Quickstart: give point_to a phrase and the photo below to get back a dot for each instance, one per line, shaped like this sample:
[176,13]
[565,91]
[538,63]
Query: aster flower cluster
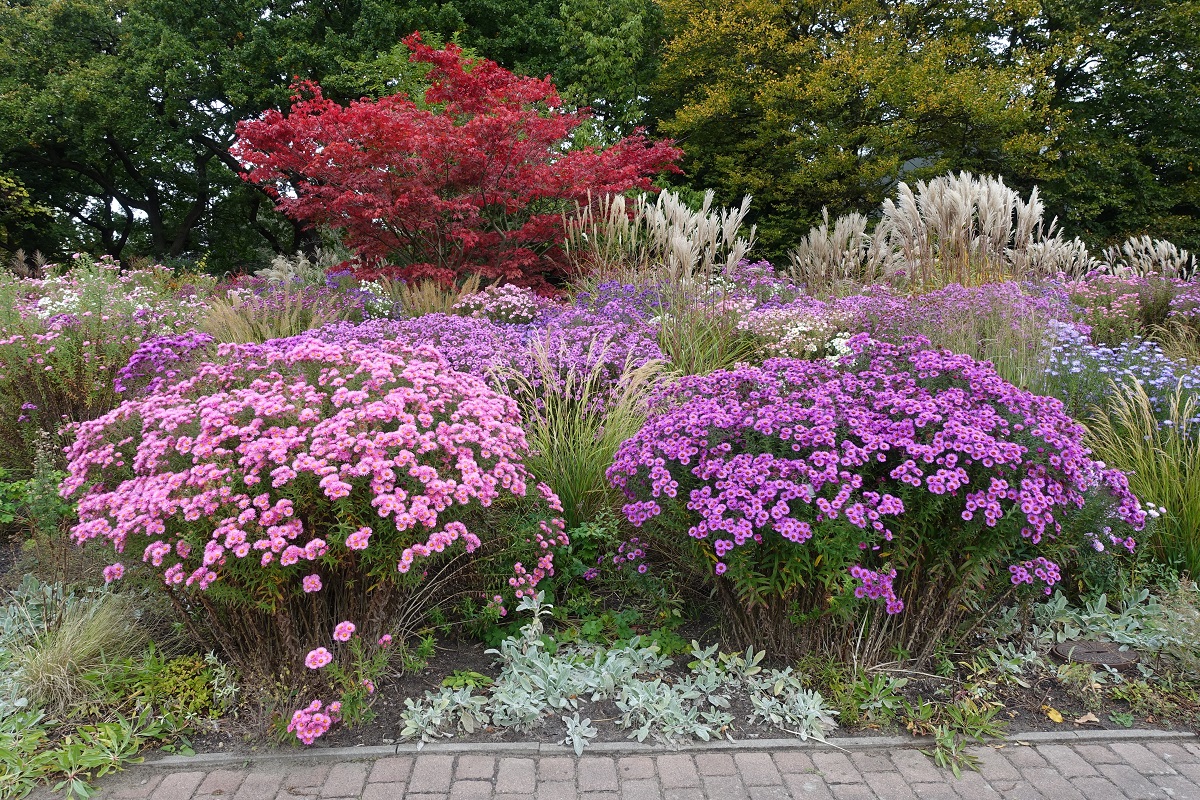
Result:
[502,303]
[1120,307]
[1039,569]
[800,449]
[630,554]
[60,367]
[1185,306]
[355,683]
[1078,372]
[311,723]
[160,359]
[319,463]
[877,586]
[807,329]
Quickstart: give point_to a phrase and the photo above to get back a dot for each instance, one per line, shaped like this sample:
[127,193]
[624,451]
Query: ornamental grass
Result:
[1161,455]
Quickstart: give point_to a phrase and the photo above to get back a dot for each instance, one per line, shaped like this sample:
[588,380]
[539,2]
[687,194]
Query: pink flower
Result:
[343,631]
[114,572]
[309,723]
[359,539]
[318,658]
[385,640]
[312,583]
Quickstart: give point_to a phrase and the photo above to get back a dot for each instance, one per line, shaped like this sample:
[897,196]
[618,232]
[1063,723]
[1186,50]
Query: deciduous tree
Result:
[475,178]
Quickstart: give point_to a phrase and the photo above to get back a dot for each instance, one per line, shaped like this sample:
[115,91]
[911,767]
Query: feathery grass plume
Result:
[836,261]
[1141,255]
[55,666]
[427,296]
[575,421]
[1161,460]
[284,310]
[970,230]
[953,229]
[660,241]
[300,269]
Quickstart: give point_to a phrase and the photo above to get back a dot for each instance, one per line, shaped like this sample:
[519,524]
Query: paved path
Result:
[1061,768]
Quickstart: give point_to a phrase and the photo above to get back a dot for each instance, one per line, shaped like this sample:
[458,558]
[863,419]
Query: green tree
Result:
[20,215]
[1125,82]
[119,114]
[828,102]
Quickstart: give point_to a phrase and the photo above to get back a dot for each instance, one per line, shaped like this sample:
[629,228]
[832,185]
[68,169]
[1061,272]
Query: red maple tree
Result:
[475,181]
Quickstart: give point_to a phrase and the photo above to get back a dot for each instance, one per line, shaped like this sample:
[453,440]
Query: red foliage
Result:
[474,182]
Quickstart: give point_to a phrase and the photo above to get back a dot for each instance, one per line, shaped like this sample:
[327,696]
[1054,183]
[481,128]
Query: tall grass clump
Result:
[663,241]
[702,336]
[1143,256]
[1162,460]
[274,312]
[418,298]
[57,645]
[575,419]
[839,259]
[962,229]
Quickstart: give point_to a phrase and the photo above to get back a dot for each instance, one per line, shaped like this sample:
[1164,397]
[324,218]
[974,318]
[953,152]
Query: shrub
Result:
[475,179]
[799,330]
[290,485]
[914,477]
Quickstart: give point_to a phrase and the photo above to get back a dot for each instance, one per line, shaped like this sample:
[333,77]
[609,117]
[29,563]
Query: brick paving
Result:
[1055,769]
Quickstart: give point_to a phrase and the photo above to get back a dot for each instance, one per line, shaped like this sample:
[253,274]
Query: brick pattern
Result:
[1095,770]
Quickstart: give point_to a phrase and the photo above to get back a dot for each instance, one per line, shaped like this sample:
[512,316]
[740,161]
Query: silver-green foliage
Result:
[535,684]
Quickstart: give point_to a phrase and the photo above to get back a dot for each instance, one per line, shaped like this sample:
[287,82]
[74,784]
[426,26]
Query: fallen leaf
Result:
[1053,713]
[1086,718]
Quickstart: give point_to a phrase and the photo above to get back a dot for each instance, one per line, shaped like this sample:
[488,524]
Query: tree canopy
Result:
[119,114]
[116,115]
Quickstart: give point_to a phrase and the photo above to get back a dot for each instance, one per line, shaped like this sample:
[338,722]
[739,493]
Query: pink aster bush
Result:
[895,488]
[1121,307]
[287,486]
[502,303]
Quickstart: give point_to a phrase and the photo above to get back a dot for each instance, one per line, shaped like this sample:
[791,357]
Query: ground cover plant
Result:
[677,492]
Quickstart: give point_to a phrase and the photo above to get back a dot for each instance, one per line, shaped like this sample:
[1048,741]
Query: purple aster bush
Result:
[160,360]
[897,488]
